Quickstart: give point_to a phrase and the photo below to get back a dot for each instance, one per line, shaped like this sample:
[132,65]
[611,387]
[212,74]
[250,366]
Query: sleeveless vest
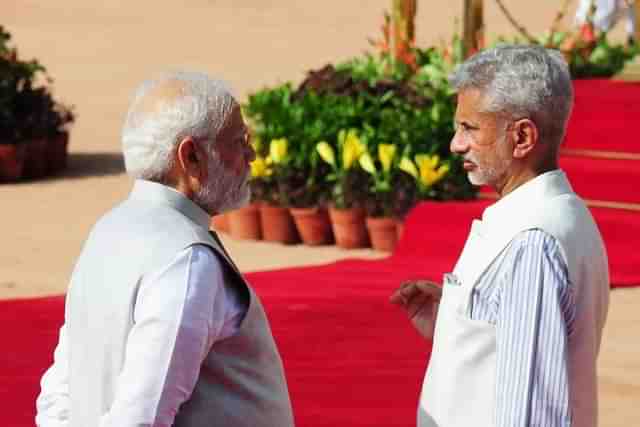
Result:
[241,381]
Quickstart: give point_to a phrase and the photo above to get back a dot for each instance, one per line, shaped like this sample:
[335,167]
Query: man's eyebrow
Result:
[466,124]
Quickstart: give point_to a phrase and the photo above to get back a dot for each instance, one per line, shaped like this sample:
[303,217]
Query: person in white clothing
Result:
[160,327]
[608,13]
[516,326]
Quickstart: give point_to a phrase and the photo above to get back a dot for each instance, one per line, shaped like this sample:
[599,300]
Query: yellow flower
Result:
[326,152]
[409,167]
[430,173]
[278,149]
[386,154]
[366,163]
[260,167]
[352,148]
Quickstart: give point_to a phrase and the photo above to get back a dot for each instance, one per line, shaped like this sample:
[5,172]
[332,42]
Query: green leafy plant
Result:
[345,180]
[380,97]
[587,51]
[383,170]
[27,107]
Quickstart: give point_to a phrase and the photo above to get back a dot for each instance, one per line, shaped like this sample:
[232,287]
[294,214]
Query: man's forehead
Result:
[471,101]
[161,94]
[471,94]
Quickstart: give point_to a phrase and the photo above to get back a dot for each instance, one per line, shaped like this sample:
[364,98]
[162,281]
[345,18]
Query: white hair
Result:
[522,81]
[163,112]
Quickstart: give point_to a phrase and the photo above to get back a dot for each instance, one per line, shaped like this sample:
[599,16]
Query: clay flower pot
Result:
[383,233]
[313,224]
[277,224]
[349,227]
[12,158]
[244,223]
[220,223]
[57,153]
[35,164]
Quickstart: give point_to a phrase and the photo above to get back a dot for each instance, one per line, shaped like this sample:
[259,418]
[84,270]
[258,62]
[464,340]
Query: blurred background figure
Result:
[608,13]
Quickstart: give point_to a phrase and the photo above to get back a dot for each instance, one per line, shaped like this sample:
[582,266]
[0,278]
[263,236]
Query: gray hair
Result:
[522,81]
[163,112]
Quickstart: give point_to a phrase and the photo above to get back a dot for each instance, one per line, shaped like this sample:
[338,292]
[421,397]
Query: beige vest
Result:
[459,387]
[241,382]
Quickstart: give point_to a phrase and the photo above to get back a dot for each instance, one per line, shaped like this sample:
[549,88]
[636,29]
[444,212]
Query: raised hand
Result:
[420,298]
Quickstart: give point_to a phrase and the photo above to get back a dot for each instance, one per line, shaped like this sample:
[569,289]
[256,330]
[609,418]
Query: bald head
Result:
[166,110]
[159,96]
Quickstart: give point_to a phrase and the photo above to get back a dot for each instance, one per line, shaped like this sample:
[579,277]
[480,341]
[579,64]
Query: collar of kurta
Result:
[511,213]
[158,193]
[523,198]
[516,212]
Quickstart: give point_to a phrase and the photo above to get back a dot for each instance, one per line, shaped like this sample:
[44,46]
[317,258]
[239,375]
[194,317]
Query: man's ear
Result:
[525,138]
[189,158]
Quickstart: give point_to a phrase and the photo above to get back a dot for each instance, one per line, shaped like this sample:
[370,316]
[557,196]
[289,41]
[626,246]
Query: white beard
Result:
[227,192]
[482,175]
[490,174]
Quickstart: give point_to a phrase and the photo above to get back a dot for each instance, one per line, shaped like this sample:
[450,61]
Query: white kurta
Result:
[189,305]
[121,322]
[459,387]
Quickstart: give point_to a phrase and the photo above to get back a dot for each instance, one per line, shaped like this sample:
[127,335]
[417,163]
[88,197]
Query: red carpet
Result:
[436,232]
[604,116]
[604,179]
[352,359]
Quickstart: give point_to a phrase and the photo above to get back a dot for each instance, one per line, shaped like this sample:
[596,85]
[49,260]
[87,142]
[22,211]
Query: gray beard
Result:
[490,175]
[223,193]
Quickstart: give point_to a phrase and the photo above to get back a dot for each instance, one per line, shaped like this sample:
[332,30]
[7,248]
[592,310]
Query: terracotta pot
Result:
[35,164]
[383,233]
[244,223]
[313,225]
[12,158]
[57,153]
[277,224]
[220,223]
[349,227]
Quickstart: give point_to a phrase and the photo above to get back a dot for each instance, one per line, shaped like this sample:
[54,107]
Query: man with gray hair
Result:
[160,327]
[516,326]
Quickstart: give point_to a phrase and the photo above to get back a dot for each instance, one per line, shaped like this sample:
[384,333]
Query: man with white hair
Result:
[160,327]
[516,326]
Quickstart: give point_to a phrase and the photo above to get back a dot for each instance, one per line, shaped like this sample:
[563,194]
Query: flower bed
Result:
[33,126]
[367,139]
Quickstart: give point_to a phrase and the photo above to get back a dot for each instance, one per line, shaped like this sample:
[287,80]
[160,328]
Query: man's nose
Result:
[458,144]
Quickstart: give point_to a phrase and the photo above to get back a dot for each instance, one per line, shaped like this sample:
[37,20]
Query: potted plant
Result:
[60,117]
[12,153]
[13,74]
[346,182]
[402,97]
[380,220]
[309,206]
[33,108]
[244,222]
[293,122]
[276,220]
[33,127]
[308,198]
[427,170]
